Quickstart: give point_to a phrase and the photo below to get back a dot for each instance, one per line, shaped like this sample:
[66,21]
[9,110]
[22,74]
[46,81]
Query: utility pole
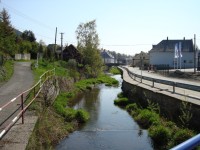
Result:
[194,53]
[61,45]
[55,44]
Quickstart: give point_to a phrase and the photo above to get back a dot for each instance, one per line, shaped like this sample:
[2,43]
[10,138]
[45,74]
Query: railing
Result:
[171,83]
[189,144]
[23,97]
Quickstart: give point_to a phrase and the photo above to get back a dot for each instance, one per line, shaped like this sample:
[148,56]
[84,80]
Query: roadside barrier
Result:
[171,83]
[23,97]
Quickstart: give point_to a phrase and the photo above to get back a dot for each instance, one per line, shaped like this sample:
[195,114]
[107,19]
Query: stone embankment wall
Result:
[170,104]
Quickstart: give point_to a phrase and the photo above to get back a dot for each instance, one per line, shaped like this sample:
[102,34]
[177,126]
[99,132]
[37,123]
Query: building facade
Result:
[164,54]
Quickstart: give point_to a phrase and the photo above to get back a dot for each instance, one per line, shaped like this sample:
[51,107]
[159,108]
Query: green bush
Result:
[114,70]
[120,95]
[146,118]
[182,135]
[160,134]
[122,101]
[82,116]
[132,107]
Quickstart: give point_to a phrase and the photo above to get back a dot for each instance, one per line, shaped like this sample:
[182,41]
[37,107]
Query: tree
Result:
[7,34]
[28,35]
[88,42]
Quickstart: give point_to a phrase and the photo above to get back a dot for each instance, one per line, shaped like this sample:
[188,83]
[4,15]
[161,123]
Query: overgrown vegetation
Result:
[164,134]
[114,70]
[62,118]
[6,71]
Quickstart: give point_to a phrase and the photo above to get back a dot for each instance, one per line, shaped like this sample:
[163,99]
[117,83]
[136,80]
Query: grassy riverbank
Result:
[164,133]
[59,119]
[6,71]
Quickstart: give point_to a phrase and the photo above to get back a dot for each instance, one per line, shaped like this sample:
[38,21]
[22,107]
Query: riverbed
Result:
[109,127]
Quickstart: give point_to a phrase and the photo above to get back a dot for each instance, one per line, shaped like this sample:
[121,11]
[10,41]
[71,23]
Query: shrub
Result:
[69,114]
[146,118]
[82,116]
[132,107]
[114,70]
[181,136]
[160,134]
[122,101]
[120,95]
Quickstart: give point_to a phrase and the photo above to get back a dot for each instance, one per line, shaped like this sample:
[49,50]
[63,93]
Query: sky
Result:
[124,26]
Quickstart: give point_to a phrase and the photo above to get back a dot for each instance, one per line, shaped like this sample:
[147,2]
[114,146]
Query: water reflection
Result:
[109,126]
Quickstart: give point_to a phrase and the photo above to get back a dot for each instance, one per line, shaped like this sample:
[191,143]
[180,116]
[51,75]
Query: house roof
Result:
[106,54]
[169,45]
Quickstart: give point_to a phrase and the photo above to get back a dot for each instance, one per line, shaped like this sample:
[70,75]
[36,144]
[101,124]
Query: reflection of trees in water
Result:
[89,101]
[140,132]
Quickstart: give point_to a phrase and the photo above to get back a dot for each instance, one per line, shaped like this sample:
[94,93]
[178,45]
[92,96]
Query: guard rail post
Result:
[22,107]
[153,83]
[174,85]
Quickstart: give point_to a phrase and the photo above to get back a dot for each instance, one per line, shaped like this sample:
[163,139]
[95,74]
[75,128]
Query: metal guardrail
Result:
[192,142]
[189,144]
[36,90]
[171,83]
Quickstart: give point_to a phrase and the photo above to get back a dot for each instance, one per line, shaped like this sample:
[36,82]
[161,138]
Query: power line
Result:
[125,45]
[27,17]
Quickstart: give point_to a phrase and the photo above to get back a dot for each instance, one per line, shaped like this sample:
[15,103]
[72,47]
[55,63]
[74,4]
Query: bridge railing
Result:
[171,83]
[30,94]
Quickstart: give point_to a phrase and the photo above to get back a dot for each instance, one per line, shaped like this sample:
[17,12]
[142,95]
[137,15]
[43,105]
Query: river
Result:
[109,127]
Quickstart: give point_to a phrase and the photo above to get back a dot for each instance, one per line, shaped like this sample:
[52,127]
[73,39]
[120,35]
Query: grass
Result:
[164,134]
[58,120]
[115,70]
[6,71]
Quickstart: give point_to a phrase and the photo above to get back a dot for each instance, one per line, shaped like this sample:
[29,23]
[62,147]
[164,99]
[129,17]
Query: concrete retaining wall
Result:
[169,103]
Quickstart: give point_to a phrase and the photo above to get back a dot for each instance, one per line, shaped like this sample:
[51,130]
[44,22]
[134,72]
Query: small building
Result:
[164,53]
[107,57]
[71,52]
[141,59]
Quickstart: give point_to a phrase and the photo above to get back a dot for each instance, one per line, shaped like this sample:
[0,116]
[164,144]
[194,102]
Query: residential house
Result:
[141,59]
[107,57]
[70,52]
[164,53]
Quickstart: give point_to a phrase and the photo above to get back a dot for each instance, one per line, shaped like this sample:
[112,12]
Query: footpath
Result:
[183,94]
[18,136]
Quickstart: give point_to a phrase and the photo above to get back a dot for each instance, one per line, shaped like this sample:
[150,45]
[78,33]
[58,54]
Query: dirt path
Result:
[22,79]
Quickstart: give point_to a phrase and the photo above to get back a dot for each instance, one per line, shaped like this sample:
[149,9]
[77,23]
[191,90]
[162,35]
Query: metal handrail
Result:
[189,144]
[172,83]
[23,109]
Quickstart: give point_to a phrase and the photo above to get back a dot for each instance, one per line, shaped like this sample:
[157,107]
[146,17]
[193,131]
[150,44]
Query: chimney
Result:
[167,38]
[184,38]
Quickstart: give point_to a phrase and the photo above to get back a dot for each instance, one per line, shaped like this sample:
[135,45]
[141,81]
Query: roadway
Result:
[22,79]
[184,94]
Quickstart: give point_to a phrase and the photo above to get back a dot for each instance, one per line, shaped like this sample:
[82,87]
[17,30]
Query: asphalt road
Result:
[188,95]
[21,80]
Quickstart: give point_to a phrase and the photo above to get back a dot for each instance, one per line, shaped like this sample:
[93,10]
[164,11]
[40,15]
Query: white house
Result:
[164,53]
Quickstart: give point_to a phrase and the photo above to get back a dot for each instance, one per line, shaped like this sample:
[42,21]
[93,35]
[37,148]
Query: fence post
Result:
[34,91]
[40,82]
[22,108]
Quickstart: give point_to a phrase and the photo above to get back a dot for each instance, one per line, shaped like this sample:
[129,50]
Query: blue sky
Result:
[124,26]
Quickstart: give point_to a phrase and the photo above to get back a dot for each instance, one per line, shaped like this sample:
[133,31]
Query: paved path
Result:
[18,136]
[180,93]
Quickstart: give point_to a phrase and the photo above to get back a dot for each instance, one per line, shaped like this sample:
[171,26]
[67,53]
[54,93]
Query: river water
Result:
[109,127]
